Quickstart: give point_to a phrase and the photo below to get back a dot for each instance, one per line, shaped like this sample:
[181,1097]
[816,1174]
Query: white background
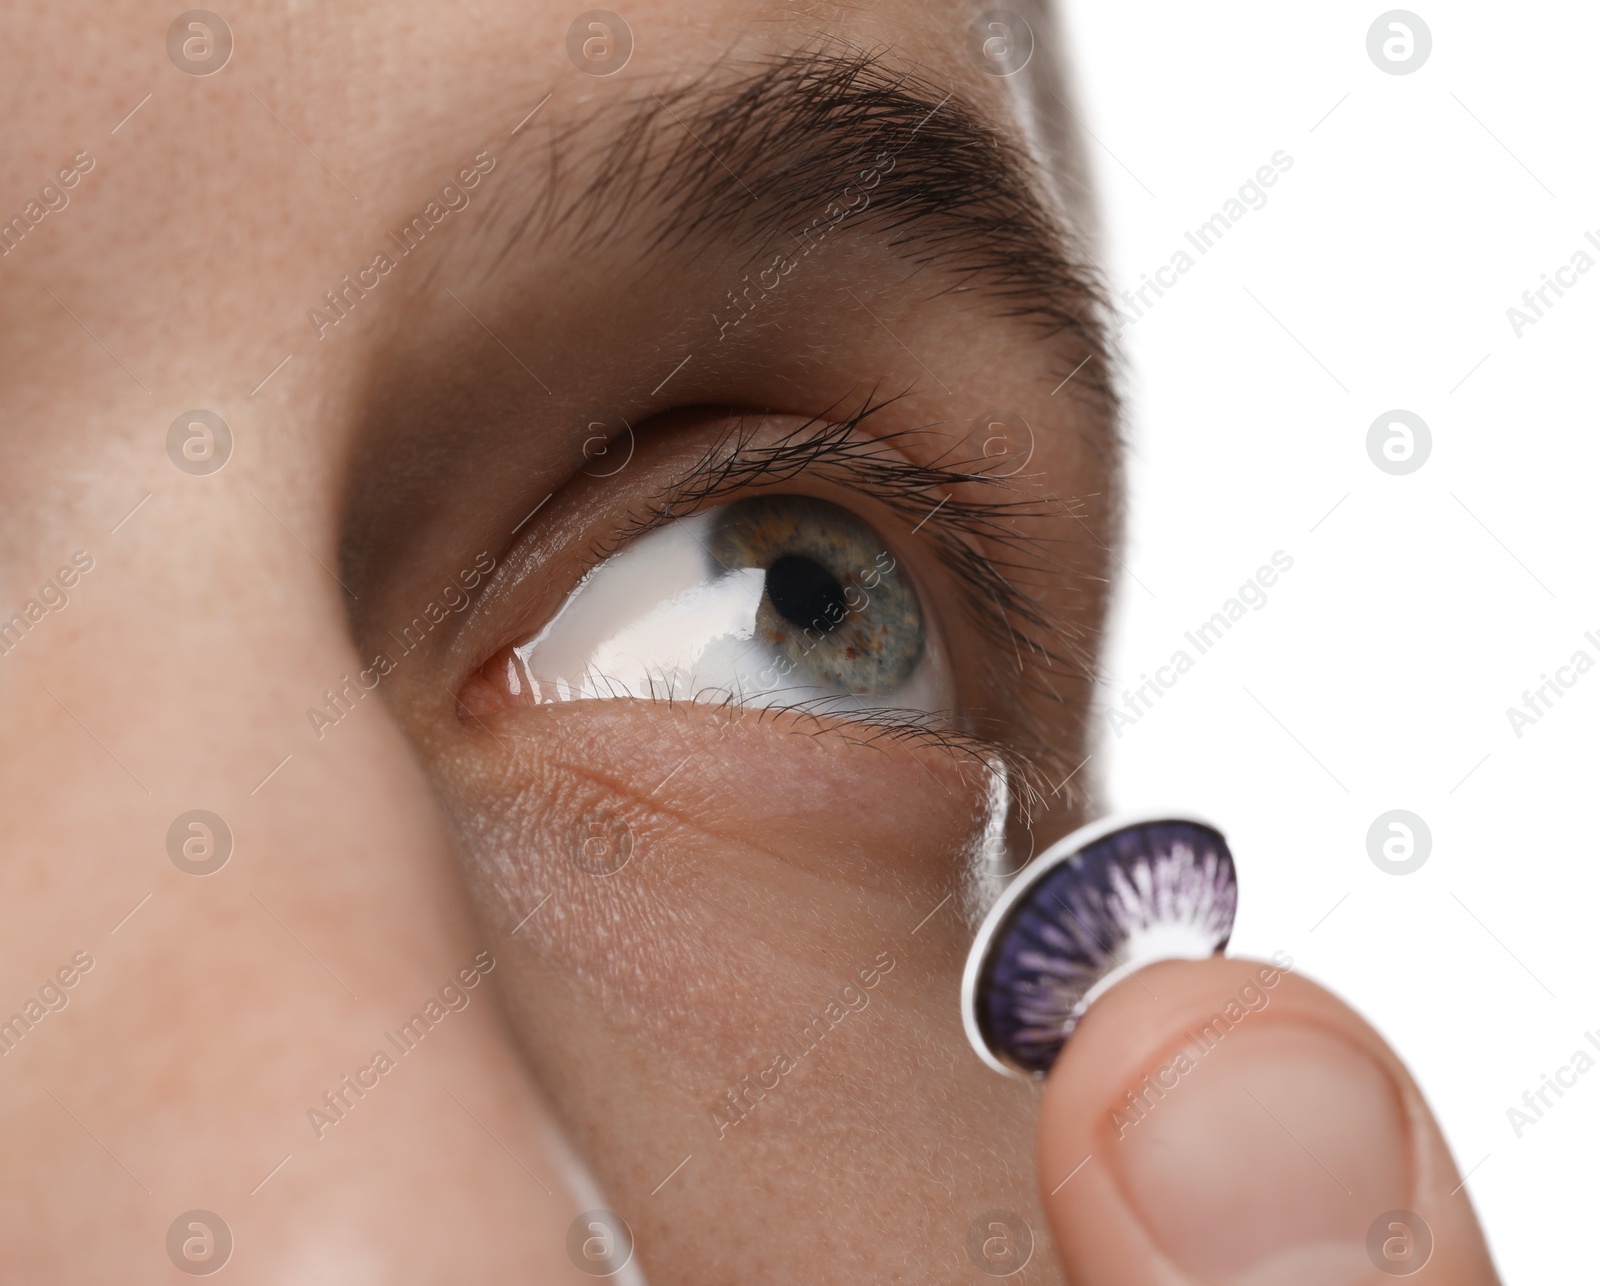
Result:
[1419,607]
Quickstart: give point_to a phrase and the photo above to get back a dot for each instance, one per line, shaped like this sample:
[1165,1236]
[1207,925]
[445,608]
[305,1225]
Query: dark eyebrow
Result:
[760,156]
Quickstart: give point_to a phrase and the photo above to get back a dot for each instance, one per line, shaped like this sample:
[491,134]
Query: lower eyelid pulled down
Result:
[772,600]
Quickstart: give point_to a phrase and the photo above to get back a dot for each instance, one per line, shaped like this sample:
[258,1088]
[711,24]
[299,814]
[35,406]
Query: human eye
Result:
[771,600]
[868,573]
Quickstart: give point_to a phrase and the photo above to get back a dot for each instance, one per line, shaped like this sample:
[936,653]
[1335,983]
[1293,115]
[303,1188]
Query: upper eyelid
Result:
[866,464]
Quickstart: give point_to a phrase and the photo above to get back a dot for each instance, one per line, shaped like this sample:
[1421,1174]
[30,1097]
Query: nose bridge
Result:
[261,897]
[172,631]
[240,988]
[212,669]
[194,614]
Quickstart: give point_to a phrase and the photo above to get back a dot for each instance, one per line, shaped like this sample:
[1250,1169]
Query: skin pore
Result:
[780,864]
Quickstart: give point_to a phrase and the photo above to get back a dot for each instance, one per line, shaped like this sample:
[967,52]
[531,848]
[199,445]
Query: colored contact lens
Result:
[1097,905]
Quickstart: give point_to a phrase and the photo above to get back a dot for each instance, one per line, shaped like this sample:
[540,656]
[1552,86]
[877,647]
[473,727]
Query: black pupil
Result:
[805,592]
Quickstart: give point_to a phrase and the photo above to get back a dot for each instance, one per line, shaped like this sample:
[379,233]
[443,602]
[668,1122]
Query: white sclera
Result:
[660,619]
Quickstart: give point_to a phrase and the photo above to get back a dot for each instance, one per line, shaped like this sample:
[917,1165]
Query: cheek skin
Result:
[775,863]
[695,866]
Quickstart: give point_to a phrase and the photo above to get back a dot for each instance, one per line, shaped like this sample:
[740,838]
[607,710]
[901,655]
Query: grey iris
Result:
[836,606]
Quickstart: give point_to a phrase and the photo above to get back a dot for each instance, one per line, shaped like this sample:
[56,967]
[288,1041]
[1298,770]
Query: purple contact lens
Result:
[1106,900]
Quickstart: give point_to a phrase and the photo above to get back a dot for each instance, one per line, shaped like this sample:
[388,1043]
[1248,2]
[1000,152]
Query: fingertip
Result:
[1228,1121]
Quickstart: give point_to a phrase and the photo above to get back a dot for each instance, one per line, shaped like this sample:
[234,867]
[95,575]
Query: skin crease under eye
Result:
[659,620]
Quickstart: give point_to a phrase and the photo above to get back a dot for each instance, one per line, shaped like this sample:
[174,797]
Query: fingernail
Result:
[1259,1155]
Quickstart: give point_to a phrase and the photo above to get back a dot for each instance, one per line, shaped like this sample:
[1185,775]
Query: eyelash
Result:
[1009,617]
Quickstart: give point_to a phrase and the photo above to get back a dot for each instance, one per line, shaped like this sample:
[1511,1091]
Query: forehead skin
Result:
[183,273]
